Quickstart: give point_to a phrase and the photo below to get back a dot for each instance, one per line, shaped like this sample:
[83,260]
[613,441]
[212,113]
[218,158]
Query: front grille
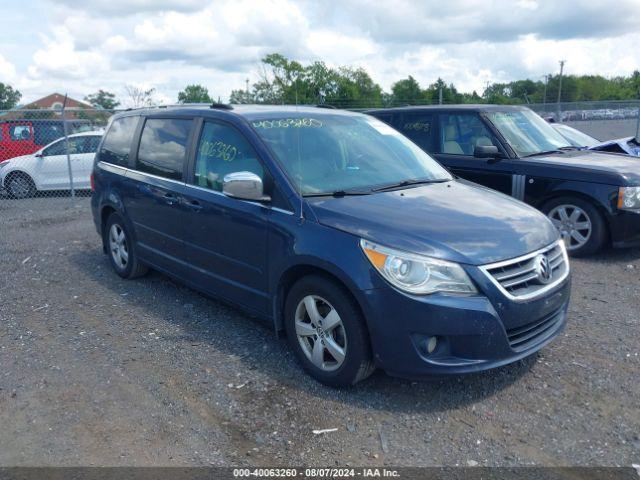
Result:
[525,336]
[521,279]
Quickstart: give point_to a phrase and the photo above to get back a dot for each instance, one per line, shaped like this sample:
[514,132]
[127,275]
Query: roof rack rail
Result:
[325,105]
[170,105]
[221,106]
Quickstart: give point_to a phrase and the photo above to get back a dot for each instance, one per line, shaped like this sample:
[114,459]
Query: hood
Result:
[454,221]
[600,167]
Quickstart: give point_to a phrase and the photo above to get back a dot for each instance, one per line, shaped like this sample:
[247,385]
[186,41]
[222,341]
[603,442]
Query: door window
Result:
[60,147]
[90,144]
[418,128]
[223,150]
[117,143]
[163,147]
[460,134]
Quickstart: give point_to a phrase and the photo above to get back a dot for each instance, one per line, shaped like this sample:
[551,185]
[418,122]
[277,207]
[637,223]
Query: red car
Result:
[23,137]
[16,138]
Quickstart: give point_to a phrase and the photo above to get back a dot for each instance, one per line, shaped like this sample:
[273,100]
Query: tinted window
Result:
[47,132]
[163,147]
[117,143]
[223,150]
[460,134]
[419,128]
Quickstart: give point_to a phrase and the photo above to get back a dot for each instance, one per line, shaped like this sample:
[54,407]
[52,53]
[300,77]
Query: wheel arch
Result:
[294,273]
[18,171]
[592,200]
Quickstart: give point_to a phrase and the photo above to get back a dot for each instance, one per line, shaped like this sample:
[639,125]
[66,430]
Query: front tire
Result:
[327,332]
[20,185]
[580,224]
[121,248]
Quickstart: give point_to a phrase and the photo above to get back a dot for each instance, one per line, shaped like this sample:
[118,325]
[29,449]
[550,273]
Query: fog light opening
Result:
[431,344]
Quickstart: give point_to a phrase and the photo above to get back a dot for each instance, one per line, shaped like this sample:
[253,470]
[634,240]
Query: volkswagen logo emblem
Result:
[542,268]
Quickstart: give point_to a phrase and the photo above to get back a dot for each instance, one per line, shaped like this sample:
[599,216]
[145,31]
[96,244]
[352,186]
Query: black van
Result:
[593,198]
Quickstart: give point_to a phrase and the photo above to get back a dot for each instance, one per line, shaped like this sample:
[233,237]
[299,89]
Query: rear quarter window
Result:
[116,147]
[419,128]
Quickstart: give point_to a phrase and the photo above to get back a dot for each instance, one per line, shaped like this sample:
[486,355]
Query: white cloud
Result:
[7,69]
[171,43]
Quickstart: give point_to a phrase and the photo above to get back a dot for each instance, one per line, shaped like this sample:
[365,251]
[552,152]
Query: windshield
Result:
[576,137]
[526,132]
[330,153]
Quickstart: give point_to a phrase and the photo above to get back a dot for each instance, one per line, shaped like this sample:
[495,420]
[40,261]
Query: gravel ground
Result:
[96,370]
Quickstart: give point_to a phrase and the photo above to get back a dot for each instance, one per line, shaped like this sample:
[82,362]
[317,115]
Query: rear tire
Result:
[19,185]
[331,342]
[581,225]
[121,248]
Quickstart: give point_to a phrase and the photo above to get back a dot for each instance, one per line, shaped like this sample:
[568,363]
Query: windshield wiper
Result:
[338,193]
[407,183]
[546,152]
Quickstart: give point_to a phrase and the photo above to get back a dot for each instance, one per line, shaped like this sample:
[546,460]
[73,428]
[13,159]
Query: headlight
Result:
[629,198]
[415,273]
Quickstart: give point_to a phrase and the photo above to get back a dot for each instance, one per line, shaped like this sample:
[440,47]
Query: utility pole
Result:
[440,95]
[246,90]
[544,98]
[559,119]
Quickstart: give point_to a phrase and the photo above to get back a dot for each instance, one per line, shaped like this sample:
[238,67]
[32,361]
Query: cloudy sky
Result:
[80,46]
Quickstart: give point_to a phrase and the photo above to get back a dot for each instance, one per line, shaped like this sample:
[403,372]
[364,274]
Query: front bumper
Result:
[625,229]
[472,335]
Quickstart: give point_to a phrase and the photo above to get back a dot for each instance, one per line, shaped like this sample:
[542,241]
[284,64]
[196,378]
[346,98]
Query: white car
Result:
[628,145]
[48,169]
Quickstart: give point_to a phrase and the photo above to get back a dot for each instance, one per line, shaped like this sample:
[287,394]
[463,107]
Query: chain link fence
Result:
[48,153]
[603,120]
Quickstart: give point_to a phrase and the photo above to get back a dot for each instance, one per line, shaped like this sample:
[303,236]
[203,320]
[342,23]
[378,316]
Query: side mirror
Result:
[486,151]
[39,155]
[244,186]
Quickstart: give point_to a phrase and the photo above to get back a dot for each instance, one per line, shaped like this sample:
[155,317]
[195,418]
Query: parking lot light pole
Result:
[559,119]
[66,145]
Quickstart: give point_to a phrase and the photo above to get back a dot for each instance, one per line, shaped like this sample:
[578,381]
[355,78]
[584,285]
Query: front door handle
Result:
[170,199]
[194,205]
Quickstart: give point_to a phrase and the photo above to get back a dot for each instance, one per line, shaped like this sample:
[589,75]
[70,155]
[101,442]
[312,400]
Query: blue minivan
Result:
[338,230]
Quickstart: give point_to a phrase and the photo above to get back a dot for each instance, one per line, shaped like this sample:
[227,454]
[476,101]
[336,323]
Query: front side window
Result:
[223,150]
[336,152]
[116,147]
[60,147]
[526,132]
[460,134]
[419,128]
[163,147]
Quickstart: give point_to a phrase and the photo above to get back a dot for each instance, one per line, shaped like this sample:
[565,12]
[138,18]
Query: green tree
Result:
[103,99]
[285,81]
[9,97]
[406,91]
[194,94]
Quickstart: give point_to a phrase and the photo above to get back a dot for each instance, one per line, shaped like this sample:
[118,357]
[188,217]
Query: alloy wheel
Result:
[574,225]
[321,333]
[118,246]
[19,187]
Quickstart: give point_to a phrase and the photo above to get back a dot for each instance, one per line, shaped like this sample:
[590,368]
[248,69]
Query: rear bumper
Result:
[471,335]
